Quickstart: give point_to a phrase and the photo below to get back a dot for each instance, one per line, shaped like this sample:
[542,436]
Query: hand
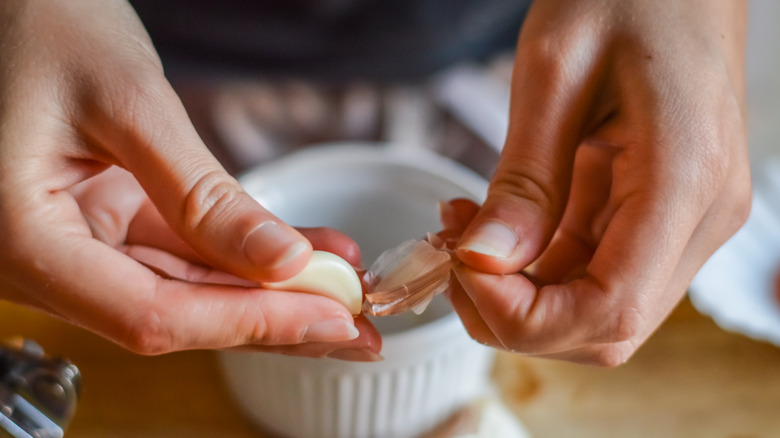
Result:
[82,90]
[625,167]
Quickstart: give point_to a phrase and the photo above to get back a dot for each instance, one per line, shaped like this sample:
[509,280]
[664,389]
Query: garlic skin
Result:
[407,277]
[328,275]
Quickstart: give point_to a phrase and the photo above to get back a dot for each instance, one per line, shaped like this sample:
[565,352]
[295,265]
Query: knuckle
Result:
[624,325]
[515,181]
[259,332]
[488,340]
[713,164]
[553,61]
[146,334]
[210,199]
[254,323]
[106,224]
[739,210]
[732,197]
[544,56]
[612,355]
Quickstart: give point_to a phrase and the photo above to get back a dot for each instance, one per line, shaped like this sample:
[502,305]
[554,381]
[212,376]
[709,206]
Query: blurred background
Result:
[707,372]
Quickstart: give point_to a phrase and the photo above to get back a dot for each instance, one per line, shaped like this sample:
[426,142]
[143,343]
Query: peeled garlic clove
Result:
[328,275]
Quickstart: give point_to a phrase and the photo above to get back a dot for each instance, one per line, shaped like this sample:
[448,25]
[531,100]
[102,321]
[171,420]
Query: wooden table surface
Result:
[691,379]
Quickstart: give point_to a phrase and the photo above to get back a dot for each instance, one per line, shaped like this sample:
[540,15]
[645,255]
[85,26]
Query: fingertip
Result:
[356,355]
[333,241]
[492,238]
[469,282]
[334,330]
[467,311]
[501,291]
[293,252]
[277,250]
[491,246]
[465,209]
[457,213]
[369,335]
[446,215]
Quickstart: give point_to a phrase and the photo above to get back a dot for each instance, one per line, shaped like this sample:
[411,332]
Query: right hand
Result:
[81,90]
[625,167]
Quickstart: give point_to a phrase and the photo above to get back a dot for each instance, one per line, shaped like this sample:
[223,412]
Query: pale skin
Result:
[627,142]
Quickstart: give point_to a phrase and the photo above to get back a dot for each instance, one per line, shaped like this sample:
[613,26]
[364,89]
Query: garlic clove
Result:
[328,275]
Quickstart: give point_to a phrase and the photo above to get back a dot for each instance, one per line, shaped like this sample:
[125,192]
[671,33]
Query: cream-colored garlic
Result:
[328,275]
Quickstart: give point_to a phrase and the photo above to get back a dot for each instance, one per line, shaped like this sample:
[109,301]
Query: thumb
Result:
[154,139]
[515,224]
[529,190]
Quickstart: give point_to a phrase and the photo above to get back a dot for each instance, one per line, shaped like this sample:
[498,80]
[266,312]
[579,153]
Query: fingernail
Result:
[292,252]
[270,234]
[330,331]
[356,355]
[493,239]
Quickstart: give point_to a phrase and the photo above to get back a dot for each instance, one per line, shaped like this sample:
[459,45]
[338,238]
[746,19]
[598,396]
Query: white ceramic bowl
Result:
[380,196]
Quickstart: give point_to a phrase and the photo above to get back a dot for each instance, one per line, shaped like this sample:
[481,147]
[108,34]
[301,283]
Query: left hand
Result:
[120,215]
[625,167]
[82,91]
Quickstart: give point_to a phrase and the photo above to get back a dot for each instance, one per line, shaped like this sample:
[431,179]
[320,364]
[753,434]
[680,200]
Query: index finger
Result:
[640,268]
[94,286]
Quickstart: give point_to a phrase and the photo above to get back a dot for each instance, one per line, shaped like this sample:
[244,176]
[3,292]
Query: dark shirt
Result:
[341,39]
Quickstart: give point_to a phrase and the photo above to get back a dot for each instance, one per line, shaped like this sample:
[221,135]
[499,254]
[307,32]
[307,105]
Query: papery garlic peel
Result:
[407,277]
[328,275]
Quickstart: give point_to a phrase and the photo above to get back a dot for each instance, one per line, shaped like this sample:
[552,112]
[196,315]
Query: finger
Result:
[470,317]
[366,348]
[584,225]
[143,124]
[149,230]
[119,212]
[585,219]
[601,355]
[552,319]
[132,219]
[172,267]
[551,91]
[496,310]
[635,263]
[456,214]
[95,286]
[333,241]
[644,261]
[109,201]
[153,315]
